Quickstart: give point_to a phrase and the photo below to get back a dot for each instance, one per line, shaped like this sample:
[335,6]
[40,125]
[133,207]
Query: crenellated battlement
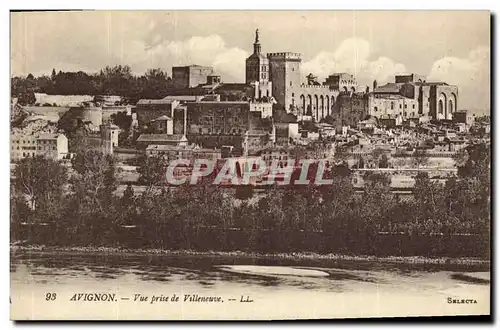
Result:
[318,87]
[285,56]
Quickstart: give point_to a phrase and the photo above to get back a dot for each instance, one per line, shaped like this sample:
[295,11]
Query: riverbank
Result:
[296,256]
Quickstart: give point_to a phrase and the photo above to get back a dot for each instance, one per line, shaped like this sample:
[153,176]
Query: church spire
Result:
[256,44]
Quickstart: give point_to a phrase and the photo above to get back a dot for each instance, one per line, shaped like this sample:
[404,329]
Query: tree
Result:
[429,210]
[244,192]
[40,180]
[152,170]
[361,162]
[122,120]
[328,119]
[95,176]
[377,199]
[384,161]
[420,157]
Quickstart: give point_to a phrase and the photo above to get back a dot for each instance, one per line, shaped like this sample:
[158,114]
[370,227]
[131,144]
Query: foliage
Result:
[420,157]
[324,218]
[116,80]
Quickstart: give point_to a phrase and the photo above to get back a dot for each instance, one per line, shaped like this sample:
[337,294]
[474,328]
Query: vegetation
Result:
[451,219]
[116,80]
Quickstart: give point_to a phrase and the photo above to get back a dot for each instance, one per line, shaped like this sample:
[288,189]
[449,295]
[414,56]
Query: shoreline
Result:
[297,256]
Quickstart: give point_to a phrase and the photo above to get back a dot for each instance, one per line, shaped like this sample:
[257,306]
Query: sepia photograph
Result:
[250,164]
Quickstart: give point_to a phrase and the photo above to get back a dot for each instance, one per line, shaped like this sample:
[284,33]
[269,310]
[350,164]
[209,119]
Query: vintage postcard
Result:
[249,165]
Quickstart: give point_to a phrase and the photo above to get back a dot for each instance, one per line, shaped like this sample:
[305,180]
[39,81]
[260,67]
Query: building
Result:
[388,101]
[109,137]
[279,75]
[285,132]
[22,145]
[144,140]
[282,156]
[254,140]
[257,71]
[163,125]
[443,100]
[80,116]
[410,96]
[42,99]
[462,116]
[108,100]
[342,81]
[349,109]
[225,117]
[190,76]
[53,146]
[151,109]
[190,153]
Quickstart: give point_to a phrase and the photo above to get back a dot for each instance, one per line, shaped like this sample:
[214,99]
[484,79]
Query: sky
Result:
[450,46]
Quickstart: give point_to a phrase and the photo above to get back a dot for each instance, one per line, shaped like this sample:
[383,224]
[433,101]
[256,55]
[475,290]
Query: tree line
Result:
[111,80]
[53,204]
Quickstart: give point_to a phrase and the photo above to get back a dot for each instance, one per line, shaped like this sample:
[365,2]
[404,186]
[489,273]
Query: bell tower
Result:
[257,65]
[256,44]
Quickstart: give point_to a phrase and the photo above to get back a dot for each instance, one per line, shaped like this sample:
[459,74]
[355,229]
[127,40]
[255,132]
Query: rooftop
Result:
[170,147]
[53,136]
[387,88]
[162,137]
[186,98]
[155,101]
[164,117]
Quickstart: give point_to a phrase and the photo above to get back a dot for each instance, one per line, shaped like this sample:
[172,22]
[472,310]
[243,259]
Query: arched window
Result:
[322,106]
[316,105]
[392,105]
[440,107]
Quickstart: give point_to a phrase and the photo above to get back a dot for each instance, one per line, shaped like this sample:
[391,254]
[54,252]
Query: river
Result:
[75,286]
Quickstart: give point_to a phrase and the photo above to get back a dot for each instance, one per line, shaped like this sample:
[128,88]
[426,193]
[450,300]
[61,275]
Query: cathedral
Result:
[279,75]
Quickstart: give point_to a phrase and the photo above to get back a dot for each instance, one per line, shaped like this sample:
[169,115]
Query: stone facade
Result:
[412,97]
[150,109]
[225,117]
[443,101]
[349,109]
[190,76]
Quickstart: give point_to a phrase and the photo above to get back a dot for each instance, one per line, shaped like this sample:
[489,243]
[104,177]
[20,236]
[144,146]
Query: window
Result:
[392,105]
[375,109]
[400,107]
[413,106]
[290,83]
[406,106]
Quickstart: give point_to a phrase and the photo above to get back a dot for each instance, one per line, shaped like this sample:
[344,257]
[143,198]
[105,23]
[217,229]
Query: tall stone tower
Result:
[257,71]
[285,76]
[257,65]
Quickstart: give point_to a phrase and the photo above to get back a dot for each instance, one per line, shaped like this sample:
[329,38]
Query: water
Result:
[248,288]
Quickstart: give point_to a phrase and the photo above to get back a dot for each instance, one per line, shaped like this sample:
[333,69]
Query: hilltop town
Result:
[279,113]
[405,164]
